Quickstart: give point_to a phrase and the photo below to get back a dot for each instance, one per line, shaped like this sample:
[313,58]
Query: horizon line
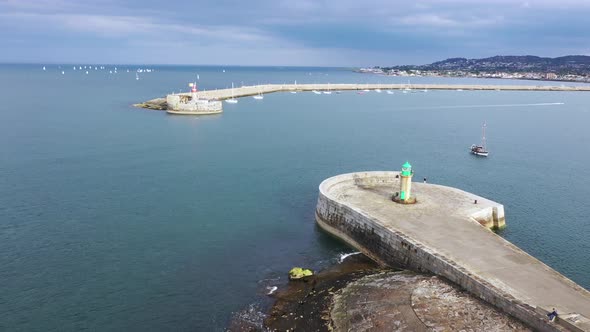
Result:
[167,64]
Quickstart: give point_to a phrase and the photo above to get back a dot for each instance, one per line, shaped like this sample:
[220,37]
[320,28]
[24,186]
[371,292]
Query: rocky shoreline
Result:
[358,295]
[158,104]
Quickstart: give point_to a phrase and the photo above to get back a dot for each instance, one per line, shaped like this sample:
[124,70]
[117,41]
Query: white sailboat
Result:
[232,100]
[295,88]
[328,92]
[481,150]
[389,92]
[136,76]
[408,88]
[259,96]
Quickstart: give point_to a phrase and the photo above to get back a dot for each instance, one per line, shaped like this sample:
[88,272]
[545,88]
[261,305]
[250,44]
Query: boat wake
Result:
[344,256]
[493,105]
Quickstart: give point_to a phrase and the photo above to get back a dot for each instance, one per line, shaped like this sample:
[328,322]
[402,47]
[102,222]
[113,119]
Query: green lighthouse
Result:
[406,184]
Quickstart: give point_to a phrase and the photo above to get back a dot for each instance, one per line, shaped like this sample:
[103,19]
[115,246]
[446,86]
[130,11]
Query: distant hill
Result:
[570,64]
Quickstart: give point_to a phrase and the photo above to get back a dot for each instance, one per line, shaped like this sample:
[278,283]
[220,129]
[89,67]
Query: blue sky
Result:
[293,32]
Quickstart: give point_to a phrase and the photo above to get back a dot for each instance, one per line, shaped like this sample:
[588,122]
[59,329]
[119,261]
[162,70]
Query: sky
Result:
[288,32]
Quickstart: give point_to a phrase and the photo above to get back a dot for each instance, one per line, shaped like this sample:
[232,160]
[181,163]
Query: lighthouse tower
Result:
[405,193]
[193,87]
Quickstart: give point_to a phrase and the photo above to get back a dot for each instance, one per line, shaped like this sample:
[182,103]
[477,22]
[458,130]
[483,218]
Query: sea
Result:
[115,218]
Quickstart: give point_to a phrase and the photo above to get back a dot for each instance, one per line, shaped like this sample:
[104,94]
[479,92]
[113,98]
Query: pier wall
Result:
[390,247]
[174,102]
[187,104]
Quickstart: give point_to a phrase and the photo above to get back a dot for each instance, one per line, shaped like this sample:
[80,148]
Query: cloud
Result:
[134,26]
[428,20]
[344,30]
[440,21]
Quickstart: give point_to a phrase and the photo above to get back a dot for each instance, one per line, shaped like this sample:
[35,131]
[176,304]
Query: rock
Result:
[154,104]
[297,273]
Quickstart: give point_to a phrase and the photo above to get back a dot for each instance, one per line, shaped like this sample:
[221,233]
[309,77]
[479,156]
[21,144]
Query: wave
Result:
[344,256]
[271,289]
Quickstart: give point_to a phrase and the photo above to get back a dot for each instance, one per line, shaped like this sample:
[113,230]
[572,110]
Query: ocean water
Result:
[115,218]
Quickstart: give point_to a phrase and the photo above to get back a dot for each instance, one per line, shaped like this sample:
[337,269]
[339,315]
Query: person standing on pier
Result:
[552,315]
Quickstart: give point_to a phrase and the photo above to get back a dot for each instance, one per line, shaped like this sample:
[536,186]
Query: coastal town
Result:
[461,73]
[567,68]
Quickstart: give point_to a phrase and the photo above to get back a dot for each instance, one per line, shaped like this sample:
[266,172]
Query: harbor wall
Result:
[189,104]
[393,248]
[245,91]
[176,102]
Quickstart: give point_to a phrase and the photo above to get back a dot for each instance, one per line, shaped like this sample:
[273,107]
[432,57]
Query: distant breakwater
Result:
[245,91]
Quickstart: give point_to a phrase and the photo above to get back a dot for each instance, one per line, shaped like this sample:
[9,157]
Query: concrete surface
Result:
[404,301]
[439,235]
[245,91]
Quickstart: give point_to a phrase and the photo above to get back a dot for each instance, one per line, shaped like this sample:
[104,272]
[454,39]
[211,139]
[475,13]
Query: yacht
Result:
[481,150]
[232,100]
[259,96]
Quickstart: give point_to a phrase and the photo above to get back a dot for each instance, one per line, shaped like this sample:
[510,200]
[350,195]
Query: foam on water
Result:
[271,289]
[251,317]
[493,105]
[344,256]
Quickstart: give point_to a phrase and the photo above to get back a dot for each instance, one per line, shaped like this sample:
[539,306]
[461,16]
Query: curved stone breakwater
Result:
[182,102]
[440,234]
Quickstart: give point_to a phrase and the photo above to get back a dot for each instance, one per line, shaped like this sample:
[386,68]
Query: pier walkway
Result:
[245,91]
[439,234]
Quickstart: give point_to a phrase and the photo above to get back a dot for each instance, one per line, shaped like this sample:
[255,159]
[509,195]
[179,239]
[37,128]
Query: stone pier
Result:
[447,233]
[176,103]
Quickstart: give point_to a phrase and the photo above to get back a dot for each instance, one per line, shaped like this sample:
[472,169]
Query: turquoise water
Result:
[116,218]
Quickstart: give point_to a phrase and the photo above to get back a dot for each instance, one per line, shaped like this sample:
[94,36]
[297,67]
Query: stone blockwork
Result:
[191,104]
[405,301]
[389,236]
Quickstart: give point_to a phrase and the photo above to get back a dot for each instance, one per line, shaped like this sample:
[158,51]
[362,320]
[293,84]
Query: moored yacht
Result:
[481,150]
[232,100]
